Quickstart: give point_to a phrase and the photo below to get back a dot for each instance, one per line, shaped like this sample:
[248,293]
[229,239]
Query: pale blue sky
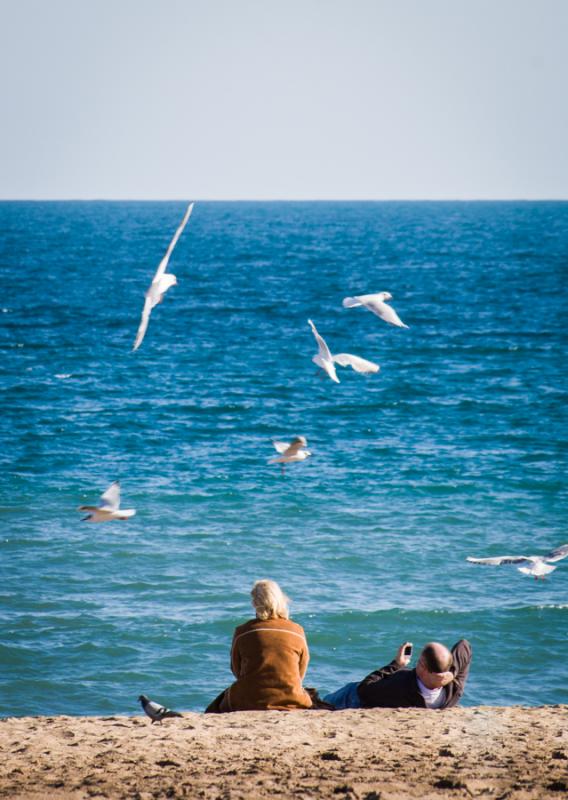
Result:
[355,99]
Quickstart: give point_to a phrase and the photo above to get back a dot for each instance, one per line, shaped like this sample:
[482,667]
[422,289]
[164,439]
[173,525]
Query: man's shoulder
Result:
[399,689]
[403,675]
[403,680]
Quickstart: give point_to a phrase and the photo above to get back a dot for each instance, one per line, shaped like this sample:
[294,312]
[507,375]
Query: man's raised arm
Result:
[370,690]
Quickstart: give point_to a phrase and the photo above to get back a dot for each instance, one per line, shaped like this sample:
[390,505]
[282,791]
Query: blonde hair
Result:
[269,600]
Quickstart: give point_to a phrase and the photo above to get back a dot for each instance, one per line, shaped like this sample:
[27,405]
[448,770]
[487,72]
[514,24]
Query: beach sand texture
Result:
[514,753]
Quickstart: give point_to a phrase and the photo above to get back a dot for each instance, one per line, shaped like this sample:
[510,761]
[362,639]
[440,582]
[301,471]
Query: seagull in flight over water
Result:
[327,362]
[161,282]
[290,452]
[528,565]
[109,508]
[377,304]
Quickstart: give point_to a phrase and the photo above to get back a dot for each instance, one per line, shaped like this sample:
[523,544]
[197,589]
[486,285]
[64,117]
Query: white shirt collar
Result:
[431,697]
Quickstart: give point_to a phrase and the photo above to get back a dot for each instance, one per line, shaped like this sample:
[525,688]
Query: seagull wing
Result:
[351,302]
[294,447]
[357,363]
[324,350]
[557,554]
[144,320]
[110,500]
[498,560]
[382,309]
[281,446]
[164,262]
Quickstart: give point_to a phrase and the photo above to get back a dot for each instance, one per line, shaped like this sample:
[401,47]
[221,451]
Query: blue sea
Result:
[457,447]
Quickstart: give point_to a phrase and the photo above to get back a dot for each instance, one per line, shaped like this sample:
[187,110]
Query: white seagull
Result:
[109,507]
[291,452]
[161,282]
[376,303]
[327,362]
[529,565]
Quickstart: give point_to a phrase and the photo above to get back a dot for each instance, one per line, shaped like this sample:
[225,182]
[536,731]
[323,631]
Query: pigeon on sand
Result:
[161,282]
[377,304]
[528,565]
[291,452]
[155,711]
[327,362]
[109,507]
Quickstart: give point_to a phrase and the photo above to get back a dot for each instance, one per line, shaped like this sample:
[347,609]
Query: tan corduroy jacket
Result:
[269,659]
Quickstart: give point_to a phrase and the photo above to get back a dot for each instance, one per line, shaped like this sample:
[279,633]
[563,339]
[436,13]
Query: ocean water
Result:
[457,447]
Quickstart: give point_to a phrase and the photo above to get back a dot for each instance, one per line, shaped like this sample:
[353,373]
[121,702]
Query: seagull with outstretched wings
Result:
[378,305]
[327,361]
[537,566]
[161,282]
[290,452]
[109,507]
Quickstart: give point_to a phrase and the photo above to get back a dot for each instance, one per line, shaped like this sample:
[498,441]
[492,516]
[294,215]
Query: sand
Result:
[482,752]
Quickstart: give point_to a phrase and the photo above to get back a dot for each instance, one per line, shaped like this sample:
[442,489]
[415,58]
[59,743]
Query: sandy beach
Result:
[491,752]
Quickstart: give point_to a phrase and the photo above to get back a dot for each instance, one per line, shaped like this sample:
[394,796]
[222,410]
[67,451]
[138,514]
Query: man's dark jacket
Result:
[396,687]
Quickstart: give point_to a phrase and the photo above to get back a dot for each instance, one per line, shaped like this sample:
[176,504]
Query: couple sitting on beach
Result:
[269,658]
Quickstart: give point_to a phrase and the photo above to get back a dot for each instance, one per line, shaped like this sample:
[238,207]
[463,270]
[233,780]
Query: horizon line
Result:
[285,200]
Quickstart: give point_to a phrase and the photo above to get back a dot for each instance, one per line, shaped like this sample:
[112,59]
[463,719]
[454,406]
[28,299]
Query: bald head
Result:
[436,657]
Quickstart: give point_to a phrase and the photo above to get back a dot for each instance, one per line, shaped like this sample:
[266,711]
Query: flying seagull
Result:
[161,282]
[109,507]
[327,362]
[155,711]
[529,565]
[290,452]
[377,304]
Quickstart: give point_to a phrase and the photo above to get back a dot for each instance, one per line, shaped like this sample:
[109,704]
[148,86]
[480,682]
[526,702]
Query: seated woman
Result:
[269,658]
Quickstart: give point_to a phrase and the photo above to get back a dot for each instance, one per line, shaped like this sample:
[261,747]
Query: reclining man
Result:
[438,681]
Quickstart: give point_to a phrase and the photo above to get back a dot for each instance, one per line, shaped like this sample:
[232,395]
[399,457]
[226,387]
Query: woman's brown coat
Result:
[269,659]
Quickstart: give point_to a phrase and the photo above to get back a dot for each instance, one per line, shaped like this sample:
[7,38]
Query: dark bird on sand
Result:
[155,711]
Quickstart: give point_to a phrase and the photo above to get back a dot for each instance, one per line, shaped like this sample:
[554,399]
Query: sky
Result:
[283,99]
